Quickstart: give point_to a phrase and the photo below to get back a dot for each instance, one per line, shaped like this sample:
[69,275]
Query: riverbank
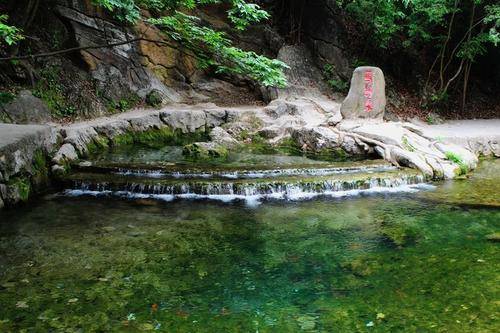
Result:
[30,154]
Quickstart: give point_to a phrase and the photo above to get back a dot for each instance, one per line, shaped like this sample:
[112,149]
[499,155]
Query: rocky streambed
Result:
[131,262]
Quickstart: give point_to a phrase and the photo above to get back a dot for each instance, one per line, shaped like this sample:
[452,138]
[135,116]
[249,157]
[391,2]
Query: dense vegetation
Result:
[211,47]
[443,47]
[446,36]
[439,55]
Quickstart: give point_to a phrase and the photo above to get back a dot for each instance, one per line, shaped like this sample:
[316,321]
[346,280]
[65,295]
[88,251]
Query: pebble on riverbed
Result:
[494,237]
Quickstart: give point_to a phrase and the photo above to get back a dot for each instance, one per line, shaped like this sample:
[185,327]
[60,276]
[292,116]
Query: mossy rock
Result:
[205,151]
[400,233]
[18,189]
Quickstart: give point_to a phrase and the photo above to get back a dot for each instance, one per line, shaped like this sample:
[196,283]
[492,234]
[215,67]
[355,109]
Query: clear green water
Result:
[169,155]
[398,263]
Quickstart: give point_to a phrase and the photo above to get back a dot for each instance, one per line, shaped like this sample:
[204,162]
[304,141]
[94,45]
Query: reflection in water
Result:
[385,263]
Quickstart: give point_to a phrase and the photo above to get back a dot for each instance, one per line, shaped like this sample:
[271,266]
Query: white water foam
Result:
[253,200]
[254,173]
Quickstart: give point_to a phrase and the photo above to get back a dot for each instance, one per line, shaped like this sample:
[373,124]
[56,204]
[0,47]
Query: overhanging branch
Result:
[92,47]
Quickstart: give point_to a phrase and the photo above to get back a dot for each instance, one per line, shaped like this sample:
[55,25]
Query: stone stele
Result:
[366,98]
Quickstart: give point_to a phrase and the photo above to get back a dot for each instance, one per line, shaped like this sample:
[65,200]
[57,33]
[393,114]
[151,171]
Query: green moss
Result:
[197,152]
[154,98]
[155,137]
[329,154]
[400,232]
[98,144]
[463,168]
[288,146]
[39,168]
[152,138]
[257,144]
[39,162]
[22,185]
[51,91]
[122,139]
[123,104]
[165,136]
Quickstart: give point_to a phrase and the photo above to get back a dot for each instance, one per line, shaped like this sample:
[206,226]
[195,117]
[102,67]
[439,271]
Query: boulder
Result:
[215,117]
[366,98]
[111,129]
[316,138]
[80,136]
[145,122]
[220,136]
[335,119]
[20,144]
[27,109]
[205,151]
[188,121]
[66,153]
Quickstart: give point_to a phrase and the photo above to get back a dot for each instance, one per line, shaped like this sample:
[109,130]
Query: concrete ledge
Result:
[23,159]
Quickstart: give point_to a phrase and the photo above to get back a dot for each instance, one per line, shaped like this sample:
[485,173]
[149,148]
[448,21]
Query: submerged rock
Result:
[494,237]
[205,151]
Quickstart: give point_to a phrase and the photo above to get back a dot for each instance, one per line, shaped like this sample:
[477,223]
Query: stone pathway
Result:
[482,136]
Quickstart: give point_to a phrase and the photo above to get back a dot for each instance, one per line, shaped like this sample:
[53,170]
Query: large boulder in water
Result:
[366,98]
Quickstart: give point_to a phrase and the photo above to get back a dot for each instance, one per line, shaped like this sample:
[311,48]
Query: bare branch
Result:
[91,47]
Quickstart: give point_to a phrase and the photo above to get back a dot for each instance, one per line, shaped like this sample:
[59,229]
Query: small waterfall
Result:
[292,184]
[249,174]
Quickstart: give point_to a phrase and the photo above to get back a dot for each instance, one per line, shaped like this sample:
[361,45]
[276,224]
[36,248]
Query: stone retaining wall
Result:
[30,153]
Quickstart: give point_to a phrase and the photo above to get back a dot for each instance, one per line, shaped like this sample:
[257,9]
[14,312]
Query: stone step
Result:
[180,171]
[248,189]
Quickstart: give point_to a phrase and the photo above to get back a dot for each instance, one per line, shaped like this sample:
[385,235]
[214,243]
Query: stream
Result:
[143,240]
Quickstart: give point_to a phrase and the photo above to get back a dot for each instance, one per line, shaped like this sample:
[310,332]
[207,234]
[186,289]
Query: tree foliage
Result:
[8,34]
[212,48]
[455,32]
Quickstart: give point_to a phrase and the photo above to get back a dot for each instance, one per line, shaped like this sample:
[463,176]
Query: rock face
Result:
[366,98]
[325,40]
[151,68]
[304,78]
[118,70]
[26,109]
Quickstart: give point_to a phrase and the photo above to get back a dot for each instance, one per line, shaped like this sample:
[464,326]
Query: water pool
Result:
[407,262]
